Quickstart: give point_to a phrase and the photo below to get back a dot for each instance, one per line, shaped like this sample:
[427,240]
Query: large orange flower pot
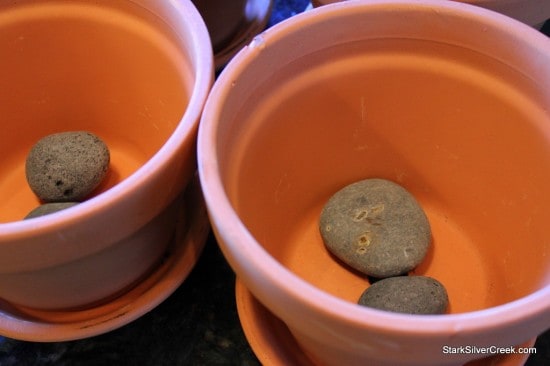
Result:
[447,99]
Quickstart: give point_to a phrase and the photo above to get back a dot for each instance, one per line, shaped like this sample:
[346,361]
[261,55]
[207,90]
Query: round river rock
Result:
[407,294]
[67,166]
[376,227]
[48,208]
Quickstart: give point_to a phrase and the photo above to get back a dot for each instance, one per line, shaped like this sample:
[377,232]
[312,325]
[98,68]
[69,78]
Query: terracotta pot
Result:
[232,24]
[532,12]
[447,99]
[317,3]
[135,73]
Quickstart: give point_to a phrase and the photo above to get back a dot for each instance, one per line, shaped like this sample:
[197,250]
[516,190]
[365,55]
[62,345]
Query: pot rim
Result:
[257,268]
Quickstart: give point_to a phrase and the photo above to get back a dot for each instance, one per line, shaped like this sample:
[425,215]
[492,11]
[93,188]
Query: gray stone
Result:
[67,166]
[407,294]
[48,208]
[376,227]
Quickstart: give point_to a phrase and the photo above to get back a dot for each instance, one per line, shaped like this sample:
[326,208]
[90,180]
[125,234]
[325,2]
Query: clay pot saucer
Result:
[55,326]
[274,345]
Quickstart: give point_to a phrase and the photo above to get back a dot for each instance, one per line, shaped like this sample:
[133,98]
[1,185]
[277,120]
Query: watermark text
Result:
[490,350]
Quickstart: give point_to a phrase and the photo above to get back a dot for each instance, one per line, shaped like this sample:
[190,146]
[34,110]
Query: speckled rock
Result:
[407,294]
[376,227]
[67,166]
[48,208]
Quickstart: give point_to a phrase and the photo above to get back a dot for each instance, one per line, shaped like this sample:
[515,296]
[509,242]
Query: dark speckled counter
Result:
[197,325]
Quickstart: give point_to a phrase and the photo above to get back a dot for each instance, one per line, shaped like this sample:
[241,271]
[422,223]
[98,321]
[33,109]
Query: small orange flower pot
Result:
[135,73]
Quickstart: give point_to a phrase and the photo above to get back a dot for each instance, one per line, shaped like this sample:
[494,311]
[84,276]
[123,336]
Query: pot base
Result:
[56,326]
[273,343]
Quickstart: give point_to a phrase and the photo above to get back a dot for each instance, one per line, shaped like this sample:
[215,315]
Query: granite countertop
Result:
[197,325]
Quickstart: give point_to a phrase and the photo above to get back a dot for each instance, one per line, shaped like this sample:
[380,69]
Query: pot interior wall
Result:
[109,68]
[464,133]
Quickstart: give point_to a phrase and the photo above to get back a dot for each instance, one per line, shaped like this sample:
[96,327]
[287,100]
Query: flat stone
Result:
[67,166]
[48,208]
[376,227]
[407,294]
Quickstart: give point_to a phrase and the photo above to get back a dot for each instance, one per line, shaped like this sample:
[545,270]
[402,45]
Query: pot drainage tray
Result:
[274,345]
[55,326]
